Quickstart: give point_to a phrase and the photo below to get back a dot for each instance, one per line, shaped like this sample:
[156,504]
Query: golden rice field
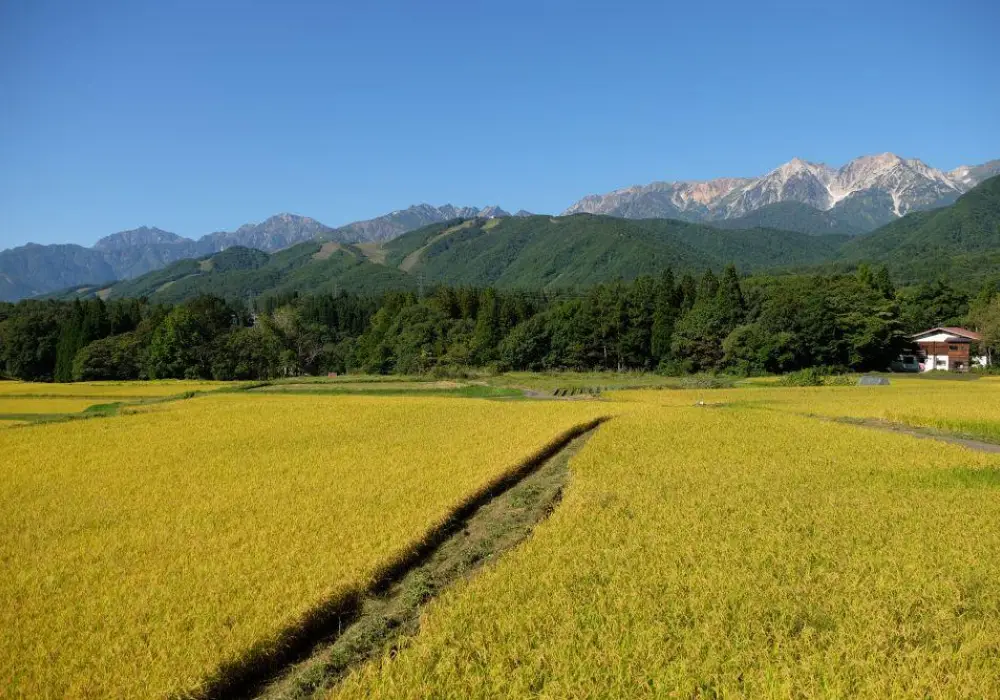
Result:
[143,551]
[731,552]
[163,387]
[970,407]
[20,406]
[710,543]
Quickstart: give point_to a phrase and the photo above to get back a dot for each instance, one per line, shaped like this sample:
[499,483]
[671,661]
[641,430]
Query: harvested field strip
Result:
[167,552]
[28,406]
[487,525]
[361,386]
[109,389]
[731,553]
[396,389]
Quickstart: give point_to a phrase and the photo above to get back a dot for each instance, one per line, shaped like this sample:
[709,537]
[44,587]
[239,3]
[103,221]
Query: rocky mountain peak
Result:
[873,188]
[492,212]
[142,236]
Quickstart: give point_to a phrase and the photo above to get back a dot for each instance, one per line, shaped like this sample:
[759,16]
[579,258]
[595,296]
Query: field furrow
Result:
[156,553]
[732,552]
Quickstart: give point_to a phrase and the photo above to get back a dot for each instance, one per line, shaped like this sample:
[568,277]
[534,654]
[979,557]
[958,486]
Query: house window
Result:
[953,347]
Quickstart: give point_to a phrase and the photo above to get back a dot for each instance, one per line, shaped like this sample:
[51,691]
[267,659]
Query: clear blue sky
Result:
[197,116]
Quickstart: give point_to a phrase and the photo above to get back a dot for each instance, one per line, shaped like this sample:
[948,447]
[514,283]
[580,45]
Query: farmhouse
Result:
[947,348]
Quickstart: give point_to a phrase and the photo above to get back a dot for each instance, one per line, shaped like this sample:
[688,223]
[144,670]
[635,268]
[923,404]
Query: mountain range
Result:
[960,242]
[34,269]
[799,196]
[864,194]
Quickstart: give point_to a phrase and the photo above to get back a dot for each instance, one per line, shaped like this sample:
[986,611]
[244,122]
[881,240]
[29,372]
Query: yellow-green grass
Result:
[361,386]
[353,379]
[5,423]
[138,389]
[967,407]
[18,406]
[583,380]
[142,552]
[731,552]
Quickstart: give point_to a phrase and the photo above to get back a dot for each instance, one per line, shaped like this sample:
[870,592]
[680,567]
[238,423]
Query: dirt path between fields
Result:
[922,433]
[478,533]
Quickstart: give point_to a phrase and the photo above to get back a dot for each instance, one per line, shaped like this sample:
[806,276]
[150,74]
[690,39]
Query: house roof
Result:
[953,331]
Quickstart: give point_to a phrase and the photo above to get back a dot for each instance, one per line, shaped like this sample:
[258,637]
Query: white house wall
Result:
[940,362]
[936,338]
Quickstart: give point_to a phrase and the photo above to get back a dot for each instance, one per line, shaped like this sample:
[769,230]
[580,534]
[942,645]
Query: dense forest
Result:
[667,323]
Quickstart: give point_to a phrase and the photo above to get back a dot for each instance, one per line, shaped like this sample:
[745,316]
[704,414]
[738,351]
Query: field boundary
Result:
[963,440]
[258,666]
[112,405]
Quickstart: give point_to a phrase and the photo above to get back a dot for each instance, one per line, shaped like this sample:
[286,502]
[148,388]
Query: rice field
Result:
[967,407]
[21,406]
[731,552]
[145,552]
[709,543]
[163,387]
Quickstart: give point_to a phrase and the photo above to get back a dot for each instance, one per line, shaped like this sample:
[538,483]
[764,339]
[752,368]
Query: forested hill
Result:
[960,242]
[239,273]
[537,252]
[795,216]
[541,252]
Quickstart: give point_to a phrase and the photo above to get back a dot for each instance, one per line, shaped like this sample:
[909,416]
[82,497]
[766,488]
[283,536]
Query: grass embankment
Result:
[151,553]
[732,552]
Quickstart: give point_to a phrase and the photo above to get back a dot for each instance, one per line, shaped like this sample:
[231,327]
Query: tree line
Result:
[759,324]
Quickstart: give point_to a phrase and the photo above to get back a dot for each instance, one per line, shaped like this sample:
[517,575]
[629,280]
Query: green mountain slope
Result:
[961,241]
[542,252]
[242,272]
[751,250]
[794,216]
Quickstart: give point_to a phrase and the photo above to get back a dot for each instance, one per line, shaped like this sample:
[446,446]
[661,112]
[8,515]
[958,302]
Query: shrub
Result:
[810,376]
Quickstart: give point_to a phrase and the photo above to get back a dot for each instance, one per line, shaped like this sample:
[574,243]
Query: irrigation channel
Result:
[494,522]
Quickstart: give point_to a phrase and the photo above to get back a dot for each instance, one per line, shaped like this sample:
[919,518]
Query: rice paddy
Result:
[966,407]
[732,553]
[146,552]
[737,542]
[163,387]
[43,406]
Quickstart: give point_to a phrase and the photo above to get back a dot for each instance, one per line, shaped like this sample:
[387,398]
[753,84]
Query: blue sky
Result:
[198,116]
